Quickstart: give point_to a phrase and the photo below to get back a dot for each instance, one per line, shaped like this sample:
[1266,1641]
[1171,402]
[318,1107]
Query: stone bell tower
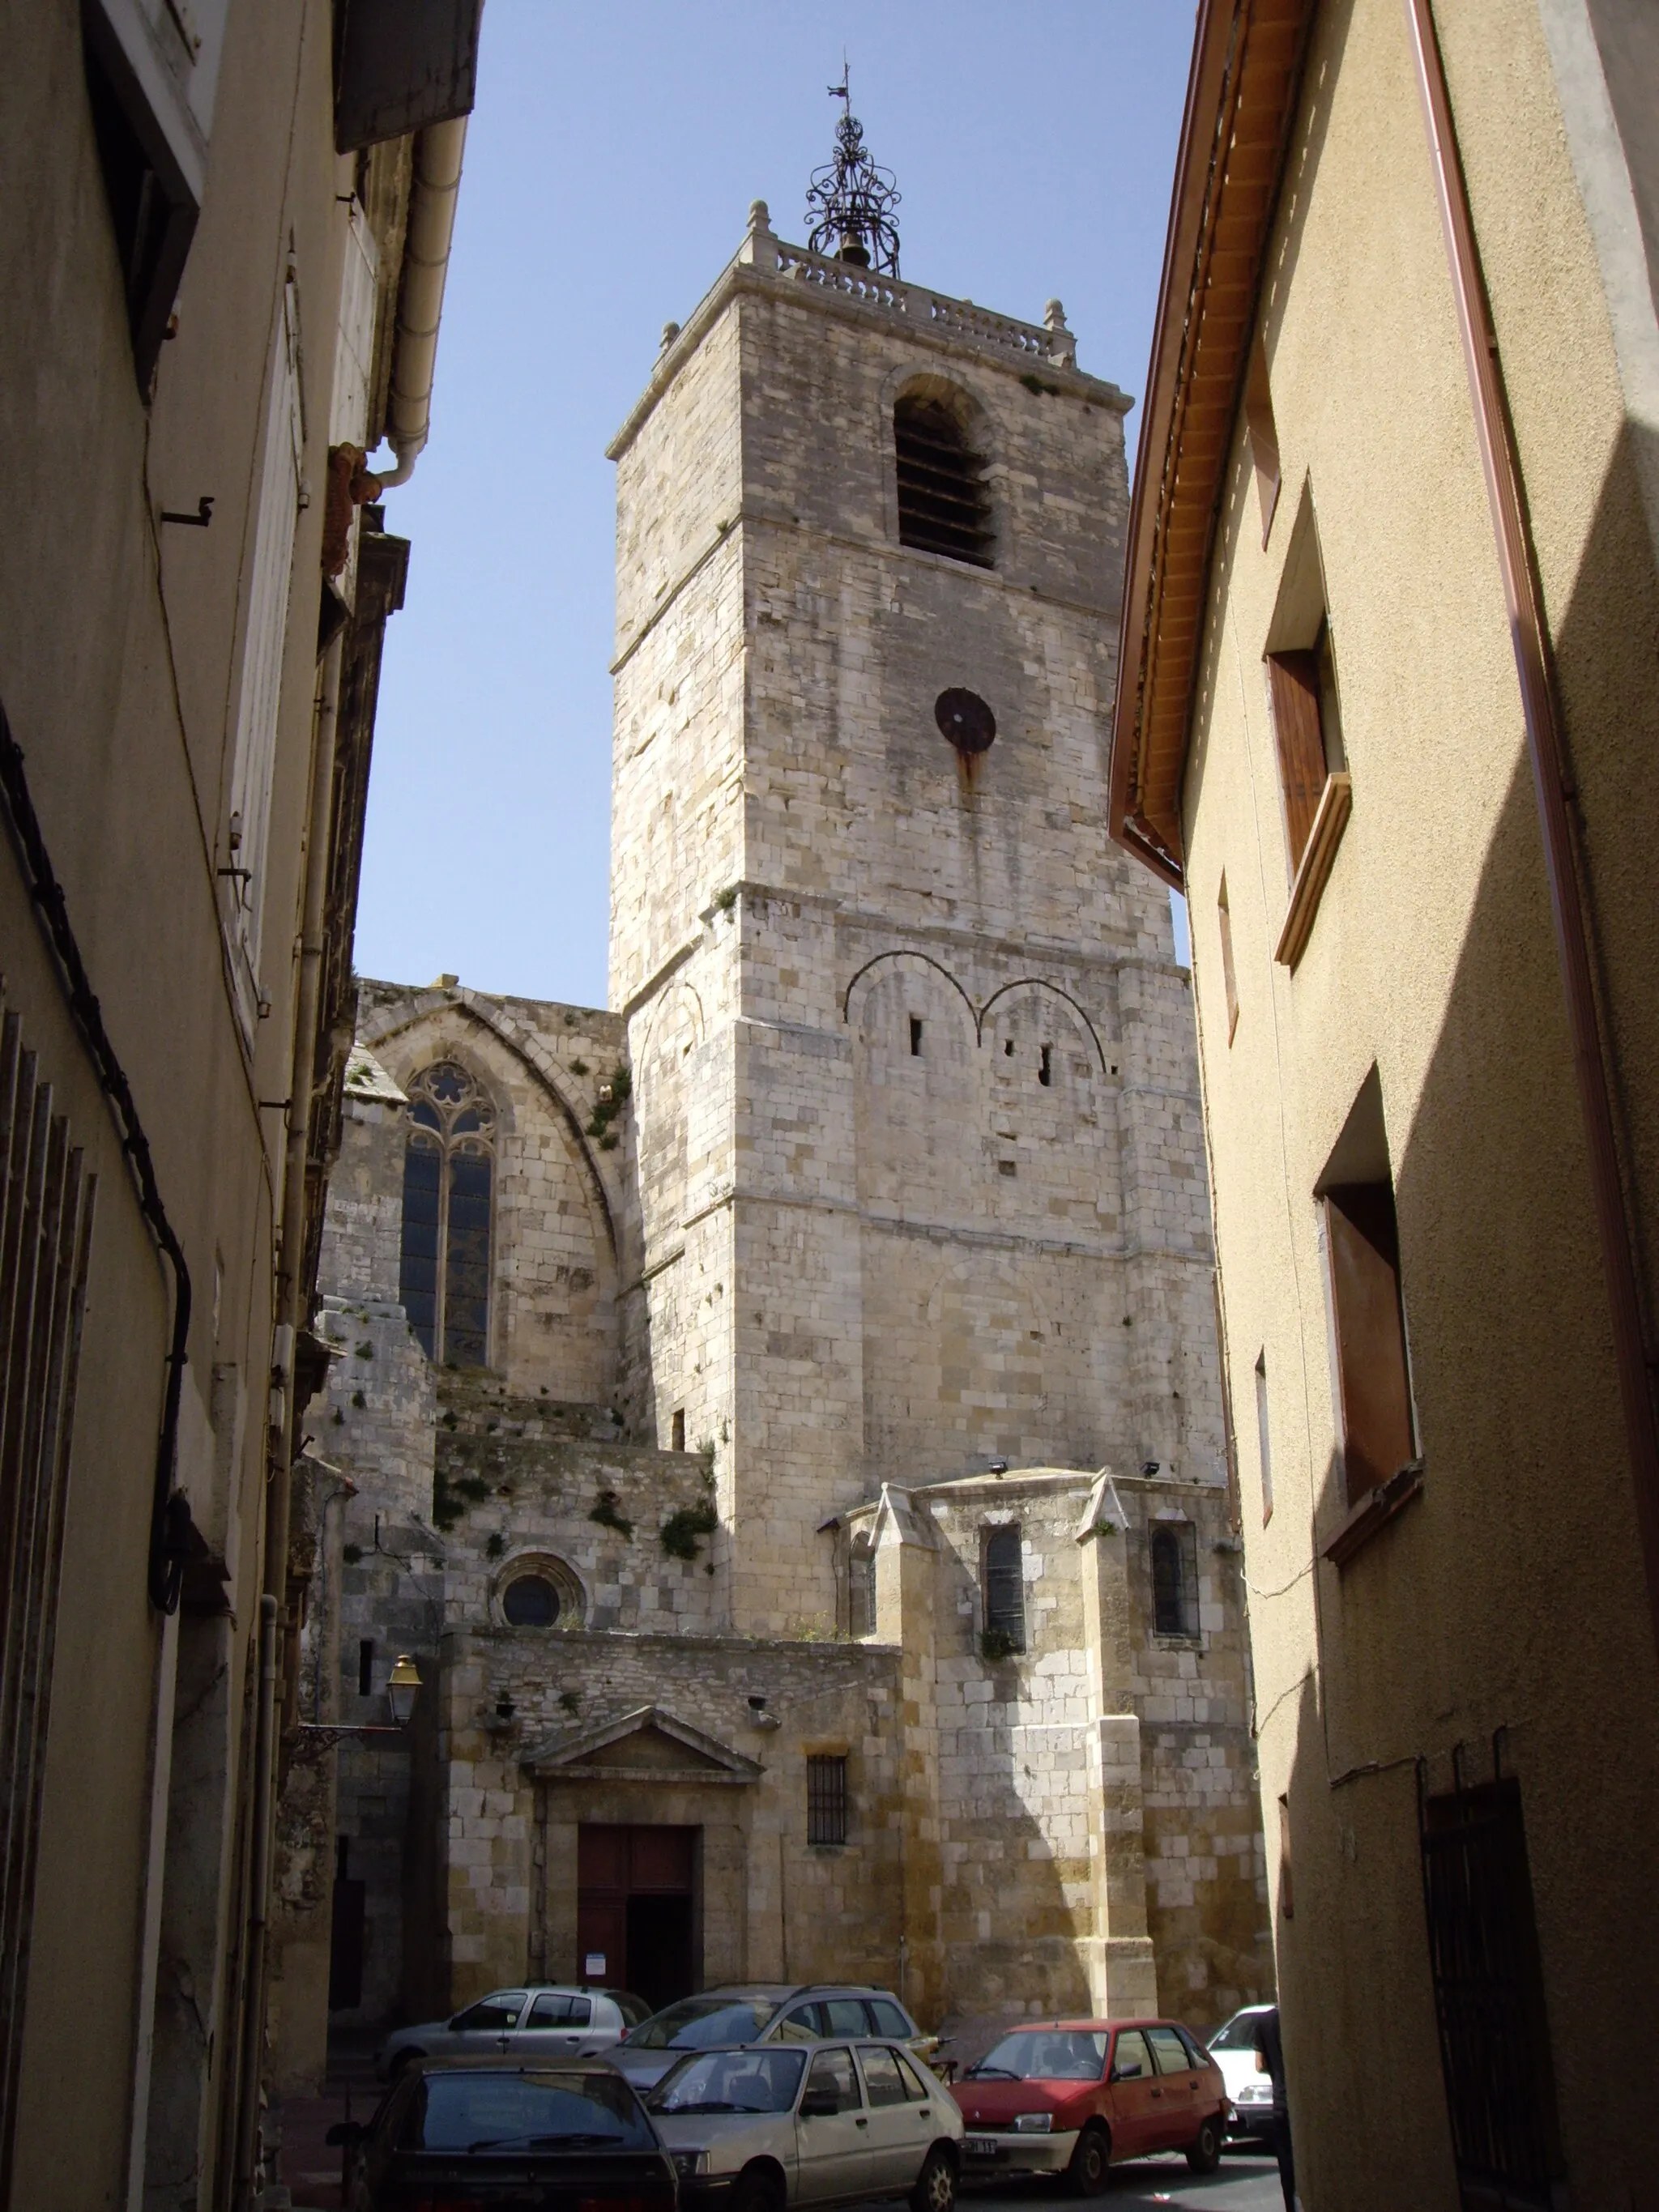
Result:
[920,1168]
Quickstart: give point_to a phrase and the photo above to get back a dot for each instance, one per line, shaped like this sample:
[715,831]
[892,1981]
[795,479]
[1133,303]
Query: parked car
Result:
[772,2125]
[541,2019]
[1077,2096]
[760,2012]
[1249,2092]
[500,2132]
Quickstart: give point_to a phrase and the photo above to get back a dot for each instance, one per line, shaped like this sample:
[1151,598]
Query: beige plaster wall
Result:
[1506,1603]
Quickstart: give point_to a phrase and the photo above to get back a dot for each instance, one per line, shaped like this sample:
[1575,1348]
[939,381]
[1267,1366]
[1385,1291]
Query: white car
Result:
[769,2126]
[541,2019]
[1249,2091]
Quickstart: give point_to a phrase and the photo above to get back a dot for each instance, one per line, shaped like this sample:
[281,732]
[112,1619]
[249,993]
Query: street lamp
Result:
[403,1687]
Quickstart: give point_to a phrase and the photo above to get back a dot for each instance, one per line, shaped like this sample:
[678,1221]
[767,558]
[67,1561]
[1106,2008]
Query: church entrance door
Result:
[636,1896]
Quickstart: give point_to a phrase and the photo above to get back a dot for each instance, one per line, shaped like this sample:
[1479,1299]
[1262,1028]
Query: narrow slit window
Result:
[366,1667]
[448,1209]
[677,1430]
[1005,1587]
[1228,973]
[915,1036]
[826,1799]
[1046,1066]
[1264,1442]
[943,506]
[862,1590]
[1175,1578]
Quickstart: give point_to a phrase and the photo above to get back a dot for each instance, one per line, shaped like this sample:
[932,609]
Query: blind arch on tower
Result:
[449,1191]
[944,500]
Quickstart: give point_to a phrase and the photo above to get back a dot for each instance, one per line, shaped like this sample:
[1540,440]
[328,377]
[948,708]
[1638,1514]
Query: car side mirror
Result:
[345,2135]
[1128,2071]
[819,2104]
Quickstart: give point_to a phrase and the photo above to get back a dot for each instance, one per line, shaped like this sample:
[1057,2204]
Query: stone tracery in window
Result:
[449,1163]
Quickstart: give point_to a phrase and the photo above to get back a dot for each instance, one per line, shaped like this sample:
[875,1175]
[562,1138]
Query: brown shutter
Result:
[1377,1421]
[1293,678]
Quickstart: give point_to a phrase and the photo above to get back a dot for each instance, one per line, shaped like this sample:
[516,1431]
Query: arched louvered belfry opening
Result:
[944,505]
[449,1174]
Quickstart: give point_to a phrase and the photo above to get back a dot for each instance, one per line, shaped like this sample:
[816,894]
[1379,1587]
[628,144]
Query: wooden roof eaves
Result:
[1241,100]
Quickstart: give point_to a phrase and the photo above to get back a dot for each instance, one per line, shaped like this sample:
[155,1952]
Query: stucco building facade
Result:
[781,1412]
[1387,717]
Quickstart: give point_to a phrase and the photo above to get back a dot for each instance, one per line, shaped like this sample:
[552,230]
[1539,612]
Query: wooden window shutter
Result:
[1364,1258]
[1293,680]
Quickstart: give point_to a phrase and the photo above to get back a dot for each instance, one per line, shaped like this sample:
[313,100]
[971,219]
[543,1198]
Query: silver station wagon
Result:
[541,2019]
[775,2125]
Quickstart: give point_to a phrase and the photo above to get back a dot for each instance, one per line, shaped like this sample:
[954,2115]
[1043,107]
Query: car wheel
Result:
[1204,2152]
[1089,2172]
[758,2188]
[936,2184]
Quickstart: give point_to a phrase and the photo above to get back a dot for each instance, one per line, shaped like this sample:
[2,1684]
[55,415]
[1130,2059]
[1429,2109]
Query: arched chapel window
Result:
[448,1177]
[1005,1587]
[943,506]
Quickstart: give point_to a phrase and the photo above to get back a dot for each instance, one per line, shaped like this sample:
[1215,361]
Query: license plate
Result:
[981,2146]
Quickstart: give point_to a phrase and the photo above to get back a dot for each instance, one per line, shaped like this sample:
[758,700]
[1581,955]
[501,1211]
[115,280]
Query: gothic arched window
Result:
[1175,1578]
[448,1175]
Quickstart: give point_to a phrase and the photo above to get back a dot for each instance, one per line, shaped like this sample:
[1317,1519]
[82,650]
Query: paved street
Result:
[1245,2183]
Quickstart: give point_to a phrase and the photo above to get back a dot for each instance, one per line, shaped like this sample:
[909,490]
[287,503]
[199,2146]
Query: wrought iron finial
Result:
[850,201]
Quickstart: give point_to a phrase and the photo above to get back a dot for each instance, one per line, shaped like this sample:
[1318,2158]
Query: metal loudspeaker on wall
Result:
[401,64]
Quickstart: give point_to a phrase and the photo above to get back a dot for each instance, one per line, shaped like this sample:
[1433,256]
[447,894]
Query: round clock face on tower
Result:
[965,719]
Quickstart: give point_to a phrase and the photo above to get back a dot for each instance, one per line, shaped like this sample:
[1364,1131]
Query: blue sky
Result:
[611,161]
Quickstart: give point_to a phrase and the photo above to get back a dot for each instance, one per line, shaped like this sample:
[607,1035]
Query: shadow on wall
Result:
[1505,1606]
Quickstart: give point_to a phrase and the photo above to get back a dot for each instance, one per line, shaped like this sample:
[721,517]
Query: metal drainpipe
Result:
[265,1765]
[419,302]
[1552,779]
[290,1319]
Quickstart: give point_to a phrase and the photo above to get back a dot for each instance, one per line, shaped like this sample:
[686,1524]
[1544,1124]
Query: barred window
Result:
[826,1800]
[45,1236]
[1004,1588]
[448,1187]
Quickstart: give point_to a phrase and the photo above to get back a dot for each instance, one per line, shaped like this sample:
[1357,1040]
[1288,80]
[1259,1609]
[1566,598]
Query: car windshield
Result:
[1239,2034]
[697,2023]
[1044,2054]
[530,2112]
[732,2081]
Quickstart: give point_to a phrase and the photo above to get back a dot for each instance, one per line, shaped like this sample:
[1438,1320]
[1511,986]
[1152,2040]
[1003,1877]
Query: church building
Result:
[780,1414]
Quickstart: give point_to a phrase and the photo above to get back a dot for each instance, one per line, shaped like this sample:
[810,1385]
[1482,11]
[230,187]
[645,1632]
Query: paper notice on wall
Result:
[594,1966]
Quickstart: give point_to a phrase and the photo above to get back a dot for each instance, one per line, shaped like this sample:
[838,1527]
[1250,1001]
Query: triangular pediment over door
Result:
[648,1744]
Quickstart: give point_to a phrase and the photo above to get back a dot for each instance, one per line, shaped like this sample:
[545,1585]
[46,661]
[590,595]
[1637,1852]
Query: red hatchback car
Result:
[1075,2096]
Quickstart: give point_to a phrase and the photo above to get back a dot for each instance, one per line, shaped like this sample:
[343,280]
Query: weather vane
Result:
[850,201]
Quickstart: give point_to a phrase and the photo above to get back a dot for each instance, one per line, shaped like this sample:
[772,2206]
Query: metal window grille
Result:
[826,1800]
[45,1239]
[1005,1587]
[1489,1999]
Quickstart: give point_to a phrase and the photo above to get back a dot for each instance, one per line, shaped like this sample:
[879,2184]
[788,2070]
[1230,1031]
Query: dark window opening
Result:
[1489,1999]
[677,1430]
[943,503]
[1008,1049]
[1286,1889]
[1046,1066]
[448,1200]
[1005,1587]
[530,1601]
[1175,1578]
[915,1038]
[826,1800]
[1363,1238]
[366,1667]
[151,208]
